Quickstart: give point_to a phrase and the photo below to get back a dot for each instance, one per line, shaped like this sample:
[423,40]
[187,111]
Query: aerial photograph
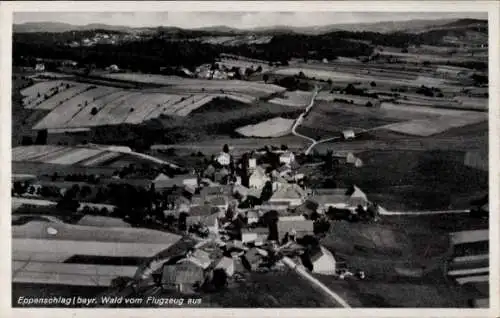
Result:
[250,160]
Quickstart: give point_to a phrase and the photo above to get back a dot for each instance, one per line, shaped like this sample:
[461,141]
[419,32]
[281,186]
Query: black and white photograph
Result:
[250,159]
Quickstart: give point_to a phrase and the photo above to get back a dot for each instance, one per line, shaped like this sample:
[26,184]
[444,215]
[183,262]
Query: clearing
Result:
[275,127]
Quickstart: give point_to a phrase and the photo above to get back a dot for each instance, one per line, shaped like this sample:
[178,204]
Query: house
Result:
[240,190]
[258,178]
[184,277]
[251,259]
[221,176]
[198,257]
[292,218]
[323,261]
[288,194]
[287,157]
[348,134]
[221,203]
[252,163]
[252,216]
[347,158]
[299,228]
[40,67]
[284,170]
[254,235]
[226,264]
[223,158]
[339,198]
[207,193]
[113,68]
[206,215]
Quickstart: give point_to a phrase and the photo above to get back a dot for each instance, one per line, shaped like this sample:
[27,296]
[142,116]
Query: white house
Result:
[287,157]
[252,163]
[323,262]
[223,159]
[227,264]
[258,178]
[348,134]
[40,67]
[289,194]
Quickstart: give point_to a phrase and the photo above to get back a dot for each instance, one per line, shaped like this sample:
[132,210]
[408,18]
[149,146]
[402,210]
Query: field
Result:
[411,244]
[81,105]
[413,180]
[87,157]
[295,99]
[199,85]
[275,127]
[236,40]
[328,120]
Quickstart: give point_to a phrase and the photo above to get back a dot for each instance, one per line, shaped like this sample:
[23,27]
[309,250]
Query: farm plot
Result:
[35,94]
[25,153]
[343,76]
[100,158]
[294,99]
[166,107]
[62,97]
[84,118]
[275,127]
[472,103]
[429,127]
[118,110]
[194,105]
[187,84]
[61,115]
[144,105]
[74,156]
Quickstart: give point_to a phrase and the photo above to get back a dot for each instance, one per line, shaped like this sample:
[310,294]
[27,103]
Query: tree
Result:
[265,77]
[94,111]
[26,141]
[225,148]
[329,81]
[219,278]
[41,137]
[284,147]
[182,223]
[369,104]
[259,69]
[267,191]
[373,84]
[170,219]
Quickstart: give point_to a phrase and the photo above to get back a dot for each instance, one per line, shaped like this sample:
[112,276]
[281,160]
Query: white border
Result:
[7,8]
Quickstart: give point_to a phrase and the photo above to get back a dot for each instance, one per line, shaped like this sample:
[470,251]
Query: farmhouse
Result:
[226,264]
[206,215]
[323,262]
[182,277]
[339,198]
[288,194]
[348,134]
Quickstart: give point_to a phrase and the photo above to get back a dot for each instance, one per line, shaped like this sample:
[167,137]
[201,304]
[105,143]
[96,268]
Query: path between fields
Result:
[303,273]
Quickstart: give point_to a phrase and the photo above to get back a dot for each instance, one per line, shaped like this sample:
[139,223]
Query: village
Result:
[248,213]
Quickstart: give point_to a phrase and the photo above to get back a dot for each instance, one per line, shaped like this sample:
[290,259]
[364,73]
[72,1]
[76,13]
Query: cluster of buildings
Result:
[103,38]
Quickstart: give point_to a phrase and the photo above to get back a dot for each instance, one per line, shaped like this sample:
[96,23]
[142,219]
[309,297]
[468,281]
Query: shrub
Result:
[94,111]
[373,84]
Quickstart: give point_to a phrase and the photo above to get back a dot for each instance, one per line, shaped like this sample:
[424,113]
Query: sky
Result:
[231,19]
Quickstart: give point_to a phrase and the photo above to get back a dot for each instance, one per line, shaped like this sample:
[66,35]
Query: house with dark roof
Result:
[184,277]
[210,192]
[251,259]
[206,215]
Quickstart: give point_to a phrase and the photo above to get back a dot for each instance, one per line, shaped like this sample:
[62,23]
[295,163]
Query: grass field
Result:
[402,180]
[275,127]
[419,243]
[295,98]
